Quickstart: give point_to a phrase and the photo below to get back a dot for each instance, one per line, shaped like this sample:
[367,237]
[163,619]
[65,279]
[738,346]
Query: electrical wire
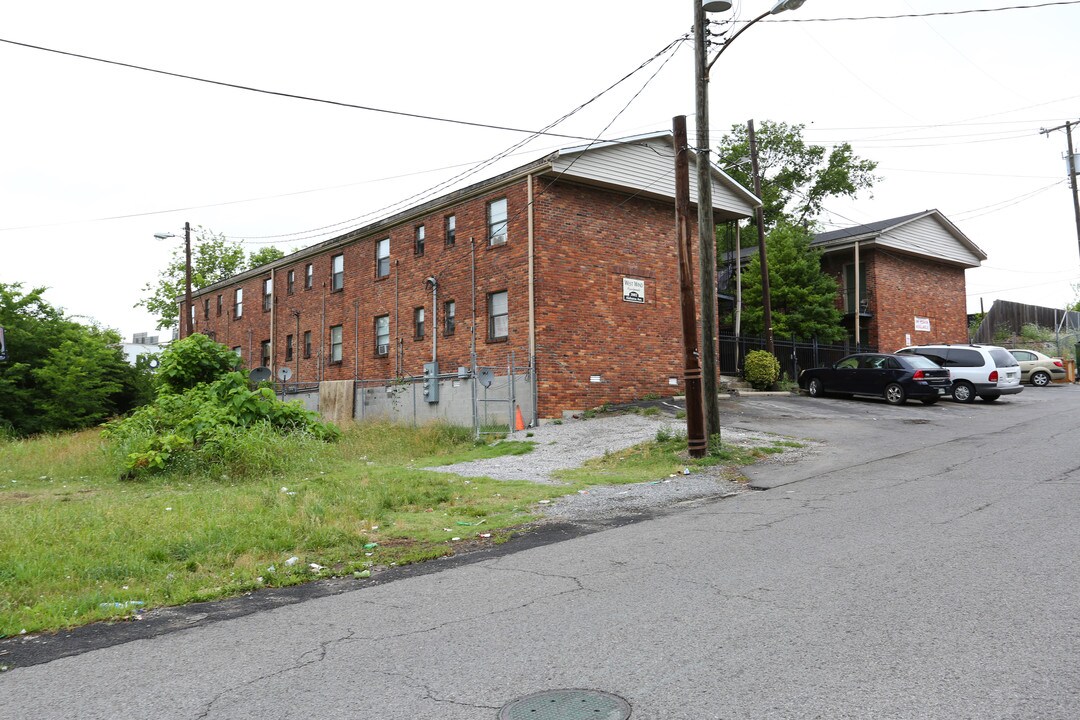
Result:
[291,96]
[920,15]
[338,228]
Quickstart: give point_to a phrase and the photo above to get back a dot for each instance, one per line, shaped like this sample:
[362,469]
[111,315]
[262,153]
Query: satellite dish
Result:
[260,374]
[284,374]
[486,376]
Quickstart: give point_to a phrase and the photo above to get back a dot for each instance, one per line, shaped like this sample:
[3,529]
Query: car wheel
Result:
[1040,379]
[815,388]
[894,394]
[929,401]
[990,398]
[963,392]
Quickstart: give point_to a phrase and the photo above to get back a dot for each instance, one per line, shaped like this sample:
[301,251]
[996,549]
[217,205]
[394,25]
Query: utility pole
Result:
[706,223]
[187,277]
[1071,161]
[697,440]
[759,217]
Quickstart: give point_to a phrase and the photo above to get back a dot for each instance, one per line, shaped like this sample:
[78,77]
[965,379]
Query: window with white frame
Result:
[382,258]
[309,276]
[498,316]
[449,317]
[337,273]
[335,344]
[264,353]
[238,303]
[291,282]
[418,323]
[288,348]
[268,294]
[382,335]
[451,230]
[496,221]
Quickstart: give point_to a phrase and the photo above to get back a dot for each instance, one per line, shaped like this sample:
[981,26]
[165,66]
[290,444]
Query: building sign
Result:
[922,324]
[633,290]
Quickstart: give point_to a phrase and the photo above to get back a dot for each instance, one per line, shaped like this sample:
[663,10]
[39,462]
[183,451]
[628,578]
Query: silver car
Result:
[986,371]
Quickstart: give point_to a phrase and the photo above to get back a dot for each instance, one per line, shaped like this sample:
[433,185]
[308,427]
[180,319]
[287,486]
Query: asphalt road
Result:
[923,564]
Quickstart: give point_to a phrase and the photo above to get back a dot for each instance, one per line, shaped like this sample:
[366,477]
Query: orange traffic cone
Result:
[519,423]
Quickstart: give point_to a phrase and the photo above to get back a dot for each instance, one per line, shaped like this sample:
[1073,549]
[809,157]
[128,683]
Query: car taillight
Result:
[918,375]
[993,376]
[1058,363]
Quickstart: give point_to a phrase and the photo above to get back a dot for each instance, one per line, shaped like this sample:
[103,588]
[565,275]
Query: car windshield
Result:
[920,362]
[1003,358]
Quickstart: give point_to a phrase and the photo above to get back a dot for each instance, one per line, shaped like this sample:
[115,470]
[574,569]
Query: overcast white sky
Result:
[97,158]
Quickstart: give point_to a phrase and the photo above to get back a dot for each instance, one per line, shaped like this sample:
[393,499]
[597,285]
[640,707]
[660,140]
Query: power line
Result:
[291,96]
[918,15]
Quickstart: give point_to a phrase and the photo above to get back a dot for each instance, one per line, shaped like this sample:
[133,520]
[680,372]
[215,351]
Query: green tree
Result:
[796,177]
[803,297]
[60,375]
[213,259]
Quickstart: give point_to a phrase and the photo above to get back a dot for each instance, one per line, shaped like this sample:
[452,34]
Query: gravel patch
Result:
[570,444]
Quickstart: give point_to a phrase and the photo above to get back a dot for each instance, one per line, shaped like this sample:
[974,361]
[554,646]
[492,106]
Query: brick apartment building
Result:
[909,275]
[570,260]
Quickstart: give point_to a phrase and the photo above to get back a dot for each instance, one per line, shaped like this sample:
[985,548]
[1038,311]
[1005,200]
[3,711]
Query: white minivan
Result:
[986,371]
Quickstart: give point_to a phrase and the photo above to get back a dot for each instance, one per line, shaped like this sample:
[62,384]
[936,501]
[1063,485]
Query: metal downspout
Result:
[532,306]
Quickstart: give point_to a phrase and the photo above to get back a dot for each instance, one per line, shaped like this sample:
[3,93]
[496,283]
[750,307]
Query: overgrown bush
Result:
[193,360]
[761,369]
[207,421]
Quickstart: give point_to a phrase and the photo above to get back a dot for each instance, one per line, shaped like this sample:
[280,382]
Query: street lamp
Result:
[187,273]
[706,224]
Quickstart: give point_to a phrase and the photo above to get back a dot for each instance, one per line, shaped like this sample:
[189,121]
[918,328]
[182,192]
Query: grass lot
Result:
[79,545]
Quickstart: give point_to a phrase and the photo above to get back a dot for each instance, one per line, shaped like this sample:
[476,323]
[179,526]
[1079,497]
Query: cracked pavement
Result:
[905,570]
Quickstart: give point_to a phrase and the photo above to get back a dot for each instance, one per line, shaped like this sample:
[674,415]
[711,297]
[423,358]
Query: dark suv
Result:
[986,371]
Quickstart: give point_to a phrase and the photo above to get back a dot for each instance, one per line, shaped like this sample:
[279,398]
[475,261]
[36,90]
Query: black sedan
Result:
[893,377]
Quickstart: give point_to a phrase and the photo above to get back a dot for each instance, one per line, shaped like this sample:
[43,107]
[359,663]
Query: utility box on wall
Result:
[431,382]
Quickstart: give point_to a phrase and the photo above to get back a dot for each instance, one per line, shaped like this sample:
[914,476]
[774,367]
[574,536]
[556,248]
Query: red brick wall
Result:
[586,240]
[364,297]
[907,287]
[901,287]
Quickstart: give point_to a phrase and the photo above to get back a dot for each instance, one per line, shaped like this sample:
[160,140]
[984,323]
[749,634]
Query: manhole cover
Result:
[567,705]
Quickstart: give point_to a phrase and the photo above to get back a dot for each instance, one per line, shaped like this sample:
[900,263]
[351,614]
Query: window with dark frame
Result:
[449,317]
[335,344]
[496,222]
[309,276]
[239,352]
[268,294]
[219,305]
[290,282]
[418,242]
[238,303]
[498,316]
[337,273]
[418,323]
[382,258]
[264,348]
[307,343]
[206,309]
[451,230]
[382,335]
[288,348]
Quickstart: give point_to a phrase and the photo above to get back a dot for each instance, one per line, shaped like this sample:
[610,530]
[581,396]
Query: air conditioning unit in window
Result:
[498,239]
[382,349]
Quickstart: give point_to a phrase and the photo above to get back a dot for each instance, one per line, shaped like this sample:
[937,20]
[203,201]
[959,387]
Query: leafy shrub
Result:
[195,359]
[223,427]
[761,369]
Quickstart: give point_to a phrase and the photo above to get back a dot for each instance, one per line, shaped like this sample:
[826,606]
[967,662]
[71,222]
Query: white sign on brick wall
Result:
[633,290]
[922,324]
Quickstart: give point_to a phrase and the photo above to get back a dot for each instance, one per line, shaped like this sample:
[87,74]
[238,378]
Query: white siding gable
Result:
[927,236]
[647,168]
